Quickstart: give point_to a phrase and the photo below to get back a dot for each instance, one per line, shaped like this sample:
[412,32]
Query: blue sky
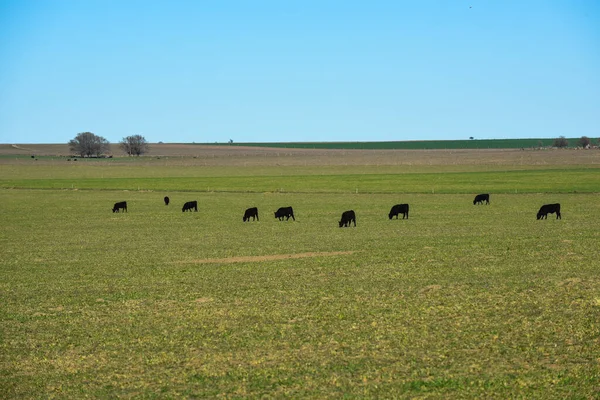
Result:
[269,71]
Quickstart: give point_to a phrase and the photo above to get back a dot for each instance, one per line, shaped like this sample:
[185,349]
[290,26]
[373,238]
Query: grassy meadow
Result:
[458,301]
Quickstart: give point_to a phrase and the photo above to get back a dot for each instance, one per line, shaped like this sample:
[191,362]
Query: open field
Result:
[458,301]
[169,154]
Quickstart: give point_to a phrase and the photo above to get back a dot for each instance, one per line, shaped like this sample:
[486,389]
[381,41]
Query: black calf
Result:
[122,205]
[251,212]
[190,205]
[399,209]
[347,218]
[480,198]
[549,209]
[285,212]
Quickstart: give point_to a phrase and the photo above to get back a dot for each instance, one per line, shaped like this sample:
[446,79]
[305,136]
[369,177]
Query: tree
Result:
[88,144]
[560,142]
[584,141]
[134,145]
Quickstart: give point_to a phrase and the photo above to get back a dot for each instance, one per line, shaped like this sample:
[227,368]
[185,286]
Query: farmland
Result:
[457,301]
[419,144]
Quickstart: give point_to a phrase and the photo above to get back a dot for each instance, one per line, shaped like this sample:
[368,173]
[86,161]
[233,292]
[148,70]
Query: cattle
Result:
[347,218]
[285,212]
[549,209]
[399,209]
[167,200]
[189,206]
[122,205]
[480,198]
[251,212]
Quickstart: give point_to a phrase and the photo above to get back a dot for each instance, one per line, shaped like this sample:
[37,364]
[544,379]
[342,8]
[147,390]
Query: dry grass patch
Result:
[229,260]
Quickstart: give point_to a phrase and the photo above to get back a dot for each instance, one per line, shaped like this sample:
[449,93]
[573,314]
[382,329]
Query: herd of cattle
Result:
[348,217]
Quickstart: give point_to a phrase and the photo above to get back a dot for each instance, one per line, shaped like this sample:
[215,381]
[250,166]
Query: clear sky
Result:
[305,70]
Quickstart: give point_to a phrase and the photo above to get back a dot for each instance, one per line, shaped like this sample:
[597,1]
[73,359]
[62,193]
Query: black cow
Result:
[251,212]
[122,205]
[285,212]
[167,200]
[347,218]
[480,198]
[549,209]
[189,206]
[399,209]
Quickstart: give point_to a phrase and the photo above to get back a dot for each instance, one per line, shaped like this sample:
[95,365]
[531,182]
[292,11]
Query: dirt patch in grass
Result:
[430,288]
[570,282]
[203,300]
[229,260]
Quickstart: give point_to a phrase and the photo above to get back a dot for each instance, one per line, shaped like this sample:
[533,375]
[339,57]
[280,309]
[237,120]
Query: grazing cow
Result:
[251,212]
[480,198]
[549,209]
[167,200]
[190,205]
[285,212]
[347,218]
[122,205]
[399,209]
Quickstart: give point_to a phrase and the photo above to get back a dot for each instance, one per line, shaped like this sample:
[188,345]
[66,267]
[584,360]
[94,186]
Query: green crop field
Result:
[458,301]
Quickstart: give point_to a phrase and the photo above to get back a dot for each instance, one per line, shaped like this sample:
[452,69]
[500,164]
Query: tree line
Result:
[87,144]
[584,142]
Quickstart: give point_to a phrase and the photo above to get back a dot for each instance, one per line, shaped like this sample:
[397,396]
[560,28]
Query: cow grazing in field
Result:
[167,200]
[549,209]
[285,212]
[189,206]
[480,198]
[347,218]
[122,205]
[251,212]
[399,209]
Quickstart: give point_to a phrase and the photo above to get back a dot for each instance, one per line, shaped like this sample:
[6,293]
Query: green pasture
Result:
[458,301]
[159,176]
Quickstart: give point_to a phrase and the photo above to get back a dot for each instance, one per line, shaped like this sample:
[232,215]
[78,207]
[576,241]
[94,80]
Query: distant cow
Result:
[549,209]
[347,218]
[122,205]
[189,206]
[480,198]
[251,212]
[167,200]
[399,209]
[285,212]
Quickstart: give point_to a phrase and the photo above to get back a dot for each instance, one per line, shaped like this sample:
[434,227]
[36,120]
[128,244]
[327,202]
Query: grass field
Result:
[458,301]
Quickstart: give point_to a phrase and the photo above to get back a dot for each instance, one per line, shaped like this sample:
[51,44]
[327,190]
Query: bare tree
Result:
[134,145]
[88,144]
[584,142]
[560,142]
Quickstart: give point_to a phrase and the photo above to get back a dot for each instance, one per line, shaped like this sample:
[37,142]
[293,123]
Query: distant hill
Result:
[414,145]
